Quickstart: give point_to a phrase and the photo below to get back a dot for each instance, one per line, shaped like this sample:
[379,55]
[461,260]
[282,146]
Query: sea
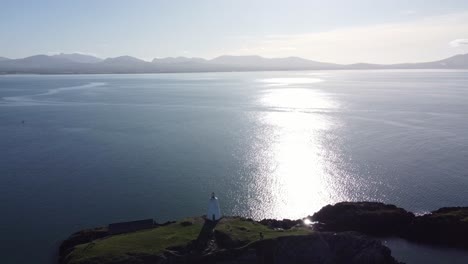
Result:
[81,151]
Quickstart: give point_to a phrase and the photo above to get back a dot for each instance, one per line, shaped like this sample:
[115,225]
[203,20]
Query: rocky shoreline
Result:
[446,226]
[338,235]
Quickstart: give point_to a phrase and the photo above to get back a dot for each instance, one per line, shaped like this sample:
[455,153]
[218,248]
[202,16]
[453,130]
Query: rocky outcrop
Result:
[283,224]
[366,217]
[318,248]
[445,226]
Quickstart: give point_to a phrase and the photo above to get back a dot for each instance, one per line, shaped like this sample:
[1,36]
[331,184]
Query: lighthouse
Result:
[214,213]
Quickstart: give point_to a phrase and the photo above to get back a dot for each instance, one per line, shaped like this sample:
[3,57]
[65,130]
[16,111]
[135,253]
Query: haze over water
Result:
[96,149]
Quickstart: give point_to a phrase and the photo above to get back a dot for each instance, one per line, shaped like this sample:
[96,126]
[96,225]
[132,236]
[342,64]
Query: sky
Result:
[345,31]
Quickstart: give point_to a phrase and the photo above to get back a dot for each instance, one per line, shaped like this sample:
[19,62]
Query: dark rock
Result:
[367,217]
[283,224]
[317,248]
[447,226]
[351,247]
[142,258]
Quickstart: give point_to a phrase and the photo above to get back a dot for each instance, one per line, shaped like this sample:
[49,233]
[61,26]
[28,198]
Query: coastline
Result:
[351,223]
[235,71]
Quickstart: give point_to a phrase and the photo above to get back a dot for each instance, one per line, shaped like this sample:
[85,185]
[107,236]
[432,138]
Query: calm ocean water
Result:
[96,149]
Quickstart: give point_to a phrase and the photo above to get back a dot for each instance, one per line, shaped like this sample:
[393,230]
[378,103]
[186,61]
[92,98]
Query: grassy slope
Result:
[123,248]
[461,214]
[249,231]
[120,248]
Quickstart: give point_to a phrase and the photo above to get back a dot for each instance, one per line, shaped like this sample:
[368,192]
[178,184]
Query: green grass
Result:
[461,214]
[131,247]
[122,248]
[248,231]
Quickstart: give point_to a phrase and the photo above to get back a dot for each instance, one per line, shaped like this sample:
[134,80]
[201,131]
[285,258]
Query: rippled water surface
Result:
[95,149]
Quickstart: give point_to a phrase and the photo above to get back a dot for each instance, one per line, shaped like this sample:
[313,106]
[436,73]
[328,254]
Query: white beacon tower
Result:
[214,213]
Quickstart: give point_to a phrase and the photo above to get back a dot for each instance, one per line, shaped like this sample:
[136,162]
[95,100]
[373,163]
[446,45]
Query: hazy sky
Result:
[333,31]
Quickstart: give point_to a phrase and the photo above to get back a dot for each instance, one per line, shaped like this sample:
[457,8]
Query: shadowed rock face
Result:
[317,248]
[283,224]
[446,226]
[328,248]
[367,217]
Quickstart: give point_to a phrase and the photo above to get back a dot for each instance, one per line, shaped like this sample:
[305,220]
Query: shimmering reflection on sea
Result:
[97,149]
[295,169]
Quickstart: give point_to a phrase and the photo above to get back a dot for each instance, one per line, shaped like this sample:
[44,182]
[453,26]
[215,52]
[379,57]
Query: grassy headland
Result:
[145,244]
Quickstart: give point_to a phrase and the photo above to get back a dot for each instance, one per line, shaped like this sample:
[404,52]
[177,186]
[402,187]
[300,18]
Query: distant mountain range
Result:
[81,64]
[76,57]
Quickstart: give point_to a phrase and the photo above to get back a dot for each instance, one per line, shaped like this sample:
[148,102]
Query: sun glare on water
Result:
[289,81]
[294,176]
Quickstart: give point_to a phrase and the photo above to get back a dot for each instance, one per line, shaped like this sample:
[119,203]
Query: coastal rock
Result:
[446,226]
[367,217]
[240,240]
[283,224]
[317,248]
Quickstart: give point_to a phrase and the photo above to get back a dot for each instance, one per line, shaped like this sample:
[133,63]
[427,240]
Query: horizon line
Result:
[223,55]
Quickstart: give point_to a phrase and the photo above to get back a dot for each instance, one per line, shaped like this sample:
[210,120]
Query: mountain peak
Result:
[41,58]
[124,59]
[179,59]
[78,57]
[238,60]
[74,63]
